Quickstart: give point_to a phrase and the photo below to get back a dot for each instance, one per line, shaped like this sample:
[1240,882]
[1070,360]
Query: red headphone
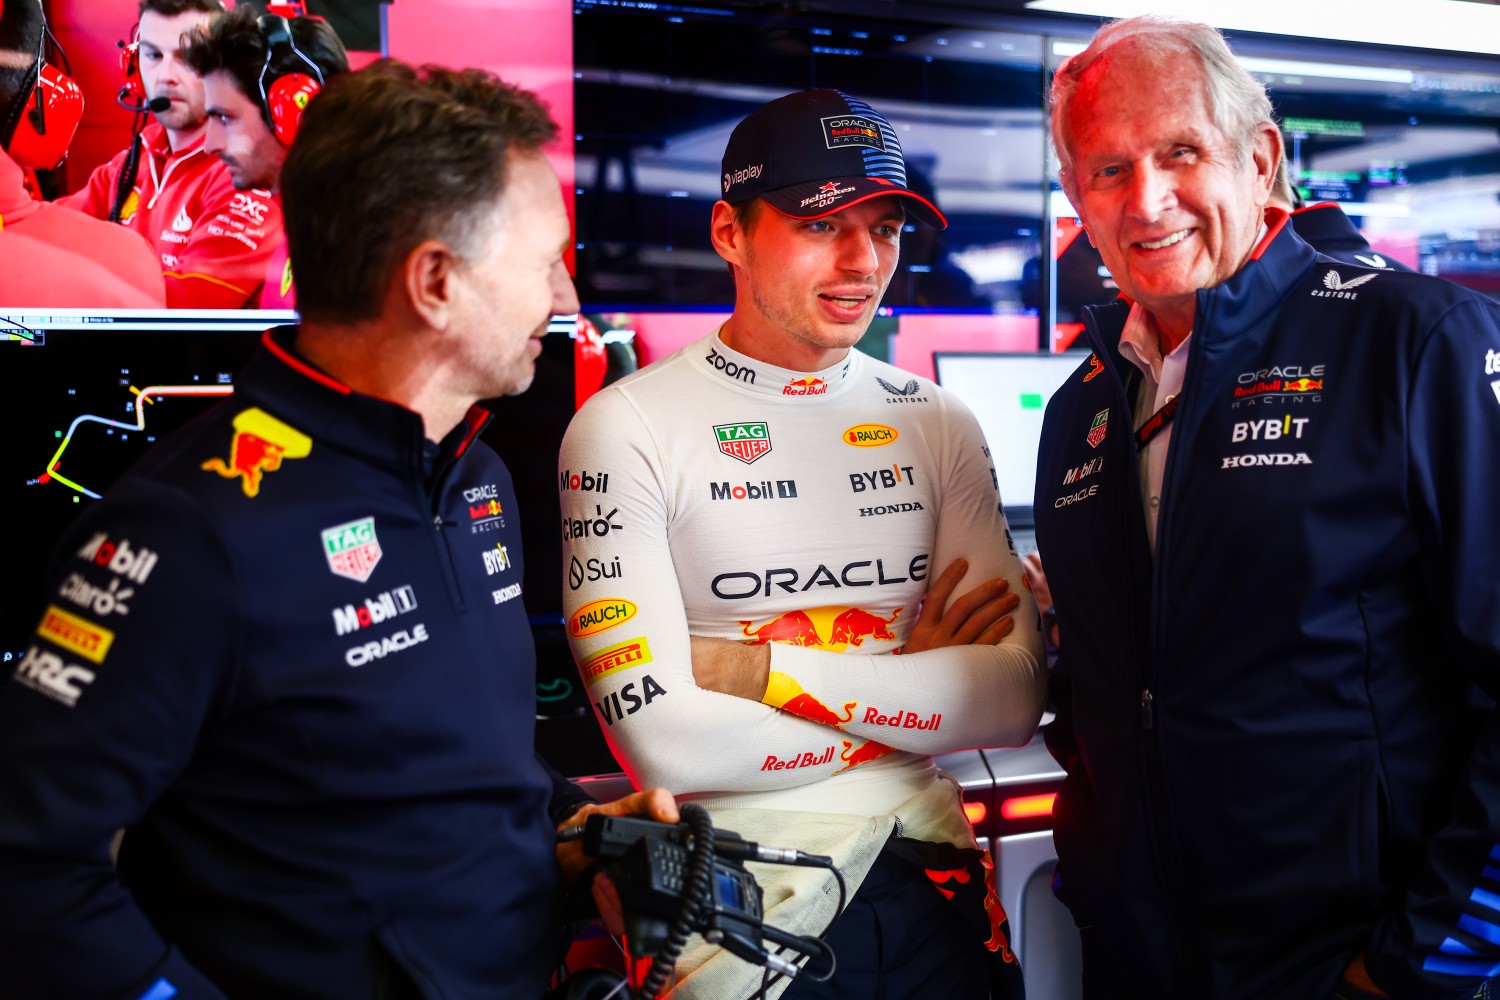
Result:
[285,97]
[133,93]
[45,114]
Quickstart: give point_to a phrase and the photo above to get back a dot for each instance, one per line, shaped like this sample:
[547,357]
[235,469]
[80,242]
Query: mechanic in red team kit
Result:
[214,242]
[260,72]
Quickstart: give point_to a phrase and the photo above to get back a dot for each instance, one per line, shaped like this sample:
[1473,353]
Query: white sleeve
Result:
[629,633]
[959,696]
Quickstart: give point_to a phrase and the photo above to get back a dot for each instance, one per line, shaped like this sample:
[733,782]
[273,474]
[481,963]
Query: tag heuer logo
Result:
[1096,431]
[352,549]
[746,442]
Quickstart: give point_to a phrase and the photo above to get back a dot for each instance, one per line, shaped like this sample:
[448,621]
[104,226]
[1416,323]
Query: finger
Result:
[973,600]
[578,816]
[660,806]
[999,630]
[942,588]
[1037,579]
[985,616]
[656,804]
[607,901]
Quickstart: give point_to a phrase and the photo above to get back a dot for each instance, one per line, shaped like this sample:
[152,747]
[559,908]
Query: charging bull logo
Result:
[783,692]
[836,628]
[260,444]
[869,750]
[963,884]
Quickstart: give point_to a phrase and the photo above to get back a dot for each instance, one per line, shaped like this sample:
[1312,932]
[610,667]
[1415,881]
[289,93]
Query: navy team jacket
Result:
[289,654]
[1272,759]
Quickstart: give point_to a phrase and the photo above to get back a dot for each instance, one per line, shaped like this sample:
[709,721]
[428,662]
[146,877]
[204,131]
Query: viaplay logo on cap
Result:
[852,130]
[742,175]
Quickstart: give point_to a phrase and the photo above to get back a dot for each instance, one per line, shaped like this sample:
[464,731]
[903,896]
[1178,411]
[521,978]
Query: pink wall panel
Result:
[525,42]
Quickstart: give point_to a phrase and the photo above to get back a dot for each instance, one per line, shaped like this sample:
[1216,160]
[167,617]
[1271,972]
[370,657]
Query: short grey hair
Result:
[1237,102]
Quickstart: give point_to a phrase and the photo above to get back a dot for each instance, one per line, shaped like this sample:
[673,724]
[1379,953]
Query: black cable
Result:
[694,899]
[767,980]
[125,183]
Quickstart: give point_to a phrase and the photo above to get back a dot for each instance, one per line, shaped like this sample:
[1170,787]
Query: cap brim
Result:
[817,199]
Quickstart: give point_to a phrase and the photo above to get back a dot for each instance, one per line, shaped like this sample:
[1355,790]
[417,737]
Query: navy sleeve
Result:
[567,798]
[1444,936]
[134,651]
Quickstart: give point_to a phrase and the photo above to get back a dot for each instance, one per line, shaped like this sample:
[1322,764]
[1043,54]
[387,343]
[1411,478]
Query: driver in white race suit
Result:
[771,486]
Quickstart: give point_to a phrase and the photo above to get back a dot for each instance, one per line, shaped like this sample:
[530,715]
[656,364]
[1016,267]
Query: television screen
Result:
[89,398]
[1407,143]
[1008,394]
[658,88]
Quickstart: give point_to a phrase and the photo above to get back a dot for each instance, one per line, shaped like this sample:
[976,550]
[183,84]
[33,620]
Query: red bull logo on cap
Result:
[260,444]
[852,130]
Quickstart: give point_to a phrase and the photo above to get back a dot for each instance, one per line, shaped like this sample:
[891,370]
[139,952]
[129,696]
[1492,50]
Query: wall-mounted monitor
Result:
[1008,394]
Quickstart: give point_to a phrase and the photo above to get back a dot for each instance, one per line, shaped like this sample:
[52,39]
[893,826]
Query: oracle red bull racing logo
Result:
[485,510]
[260,444]
[852,130]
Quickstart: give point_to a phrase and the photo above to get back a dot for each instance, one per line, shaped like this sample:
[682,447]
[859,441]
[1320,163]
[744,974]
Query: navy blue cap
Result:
[817,152]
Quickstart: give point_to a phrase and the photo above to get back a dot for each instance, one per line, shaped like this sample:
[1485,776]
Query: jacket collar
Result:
[1278,262]
[331,413]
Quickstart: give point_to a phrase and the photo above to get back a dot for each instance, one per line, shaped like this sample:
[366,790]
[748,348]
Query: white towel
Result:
[804,900]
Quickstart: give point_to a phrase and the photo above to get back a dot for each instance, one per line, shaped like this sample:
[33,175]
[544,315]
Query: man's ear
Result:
[726,235]
[1265,153]
[428,278]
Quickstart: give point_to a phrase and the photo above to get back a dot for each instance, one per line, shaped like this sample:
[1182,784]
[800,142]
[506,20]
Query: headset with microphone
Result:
[43,115]
[132,96]
[285,96]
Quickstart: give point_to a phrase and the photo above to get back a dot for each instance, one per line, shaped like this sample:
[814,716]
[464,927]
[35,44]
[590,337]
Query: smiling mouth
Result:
[1165,241]
[848,301]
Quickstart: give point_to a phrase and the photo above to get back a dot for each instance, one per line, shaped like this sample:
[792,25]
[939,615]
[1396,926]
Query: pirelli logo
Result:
[75,634]
[613,659]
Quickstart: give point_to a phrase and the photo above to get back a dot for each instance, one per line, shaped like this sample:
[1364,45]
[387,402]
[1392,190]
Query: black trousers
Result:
[899,939]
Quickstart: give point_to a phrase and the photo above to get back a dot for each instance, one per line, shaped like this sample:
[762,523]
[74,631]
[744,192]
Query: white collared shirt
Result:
[1140,344]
